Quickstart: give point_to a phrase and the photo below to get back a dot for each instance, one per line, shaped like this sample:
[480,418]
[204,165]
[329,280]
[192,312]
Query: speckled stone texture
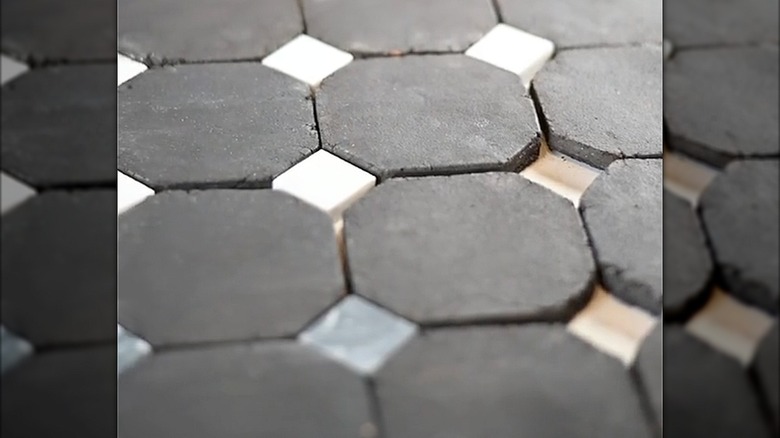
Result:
[198,30]
[495,382]
[215,125]
[438,249]
[739,211]
[224,265]
[603,104]
[721,104]
[707,22]
[622,210]
[427,115]
[266,390]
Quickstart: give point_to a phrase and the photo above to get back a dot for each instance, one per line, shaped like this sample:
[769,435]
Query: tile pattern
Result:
[130,192]
[10,68]
[14,192]
[307,59]
[127,69]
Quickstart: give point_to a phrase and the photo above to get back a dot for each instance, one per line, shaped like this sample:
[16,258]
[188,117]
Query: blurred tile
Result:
[129,349]
[307,59]
[359,334]
[704,22]
[14,192]
[561,174]
[685,177]
[730,326]
[127,68]
[649,367]
[514,50]
[325,181]
[765,366]
[10,68]
[14,349]
[130,192]
[611,326]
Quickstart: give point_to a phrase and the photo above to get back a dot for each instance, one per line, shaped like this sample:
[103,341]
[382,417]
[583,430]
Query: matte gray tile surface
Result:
[649,368]
[706,22]
[765,366]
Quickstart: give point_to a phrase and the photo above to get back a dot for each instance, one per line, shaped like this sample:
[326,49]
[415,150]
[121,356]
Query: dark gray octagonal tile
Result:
[427,114]
[706,22]
[740,214]
[603,104]
[224,265]
[200,30]
[224,125]
[58,126]
[649,368]
[489,246]
[622,212]
[59,268]
[400,26]
[269,390]
[722,103]
[535,381]
[572,23]
[765,366]
[687,262]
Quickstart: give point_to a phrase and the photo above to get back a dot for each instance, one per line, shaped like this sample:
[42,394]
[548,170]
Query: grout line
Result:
[303,16]
[497,11]
[723,45]
[611,46]
[653,423]
[375,410]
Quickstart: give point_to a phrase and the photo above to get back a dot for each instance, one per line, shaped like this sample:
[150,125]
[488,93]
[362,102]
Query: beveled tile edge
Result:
[11,69]
[14,192]
[129,349]
[686,177]
[563,175]
[14,349]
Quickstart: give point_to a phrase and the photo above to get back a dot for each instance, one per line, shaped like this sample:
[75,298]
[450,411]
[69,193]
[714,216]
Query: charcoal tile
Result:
[494,382]
[225,125]
[706,393]
[427,114]
[58,126]
[224,265]
[765,366]
[722,103]
[707,23]
[603,104]
[687,263]
[438,249]
[201,30]
[649,368]
[267,390]
[622,212]
[573,23]
[45,30]
[400,26]
[59,268]
[740,214]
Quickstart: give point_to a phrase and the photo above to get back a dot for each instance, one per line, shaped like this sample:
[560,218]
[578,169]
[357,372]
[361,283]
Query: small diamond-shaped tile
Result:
[359,334]
[13,192]
[512,49]
[561,174]
[14,349]
[325,181]
[307,59]
[127,69]
[130,192]
[10,68]
[129,349]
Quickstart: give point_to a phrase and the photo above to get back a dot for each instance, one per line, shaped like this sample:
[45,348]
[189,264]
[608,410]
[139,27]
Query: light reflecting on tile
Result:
[729,326]
[561,174]
[307,59]
[685,177]
[325,181]
[14,192]
[10,69]
[14,349]
[127,69]
[514,50]
[611,326]
[130,192]
[359,334]
[129,349]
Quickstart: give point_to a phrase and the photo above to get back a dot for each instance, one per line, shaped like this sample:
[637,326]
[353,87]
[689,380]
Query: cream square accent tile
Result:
[10,68]
[127,69]
[307,59]
[14,349]
[130,192]
[129,349]
[14,192]
[561,174]
[685,177]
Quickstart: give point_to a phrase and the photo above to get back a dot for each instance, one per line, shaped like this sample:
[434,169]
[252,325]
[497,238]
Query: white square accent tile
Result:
[14,192]
[130,192]
[127,69]
[561,174]
[325,181]
[129,349]
[685,177]
[611,326]
[14,349]
[512,49]
[359,334]
[10,68]
[307,59]
[730,326]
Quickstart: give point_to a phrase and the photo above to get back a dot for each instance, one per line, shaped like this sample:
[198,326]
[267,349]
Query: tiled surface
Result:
[130,192]
[11,68]
[14,192]
[127,68]
[129,349]
[648,366]
[561,174]
[15,349]
[704,23]
[765,366]
[308,59]
[685,177]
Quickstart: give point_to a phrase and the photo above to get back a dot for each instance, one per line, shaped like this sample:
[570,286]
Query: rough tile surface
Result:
[697,84]
[622,212]
[224,265]
[705,23]
[494,382]
[765,366]
[436,249]
[427,114]
[44,115]
[199,30]
[649,368]
[11,68]
[227,125]
[308,59]
[267,390]
[603,104]
[573,23]
[59,268]
[740,214]
[400,26]
[14,192]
